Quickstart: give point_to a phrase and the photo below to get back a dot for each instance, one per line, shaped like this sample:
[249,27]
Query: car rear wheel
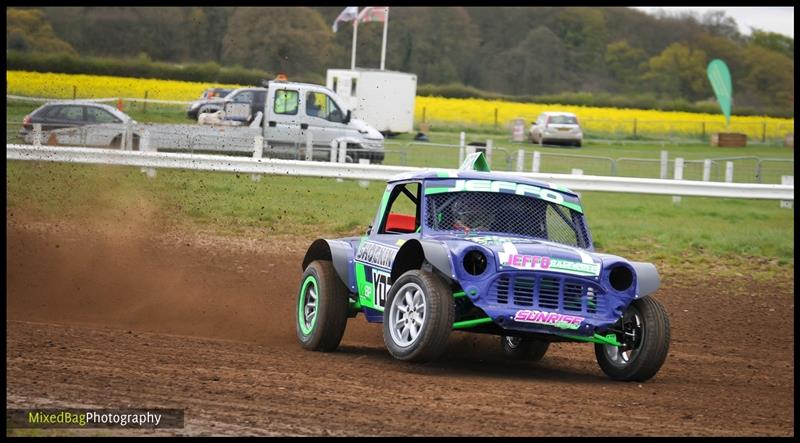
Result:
[322,308]
[519,348]
[116,143]
[645,342]
[418,317]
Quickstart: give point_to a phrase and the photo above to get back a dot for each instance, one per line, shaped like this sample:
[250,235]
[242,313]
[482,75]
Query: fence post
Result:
[258,152]
[706,170]
[758,171]
[424,109]
[342,152]
[664,165]
[309,147]
[489,152]
[74,92]
[729,172]
[678,176]
[144,146]
[495,119]
[634,128]
[536,161]
[520,159]
[342,155]
[764,132]
[787,180]
[37,134]
[127,143]
[703,131]
[144,107]
[363,183]
[461,148]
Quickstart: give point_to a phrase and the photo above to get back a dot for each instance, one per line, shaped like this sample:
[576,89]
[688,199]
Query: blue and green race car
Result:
[477,251]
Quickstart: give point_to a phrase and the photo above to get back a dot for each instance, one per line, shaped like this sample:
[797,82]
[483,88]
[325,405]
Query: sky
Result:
[773,19]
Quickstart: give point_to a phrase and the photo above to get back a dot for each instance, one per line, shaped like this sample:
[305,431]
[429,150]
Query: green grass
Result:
[697,231]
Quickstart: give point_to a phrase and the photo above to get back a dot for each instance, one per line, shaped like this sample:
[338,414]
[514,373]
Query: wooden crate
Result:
[729,140]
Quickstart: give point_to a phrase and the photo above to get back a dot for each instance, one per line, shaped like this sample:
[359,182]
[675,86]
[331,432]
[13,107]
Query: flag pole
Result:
[355,34]
[385,27]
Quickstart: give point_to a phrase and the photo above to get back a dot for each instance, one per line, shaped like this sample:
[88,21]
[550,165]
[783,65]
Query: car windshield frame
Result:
[570,217]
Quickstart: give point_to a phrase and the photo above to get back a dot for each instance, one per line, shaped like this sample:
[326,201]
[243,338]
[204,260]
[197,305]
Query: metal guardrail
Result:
[146,159]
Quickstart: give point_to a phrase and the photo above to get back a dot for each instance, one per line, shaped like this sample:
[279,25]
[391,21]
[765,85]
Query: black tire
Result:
[519,348]
[649,347]
[116,143]
[324,330]
[436,322]
[578,144]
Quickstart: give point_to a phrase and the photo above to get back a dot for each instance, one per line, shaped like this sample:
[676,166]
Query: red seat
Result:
[401,223]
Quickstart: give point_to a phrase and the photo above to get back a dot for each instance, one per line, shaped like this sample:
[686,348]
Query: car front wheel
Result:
[645,339]
[418,317]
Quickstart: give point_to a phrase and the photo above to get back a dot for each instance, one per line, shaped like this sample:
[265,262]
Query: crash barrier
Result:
[223,140]
[192,139]
[357,171]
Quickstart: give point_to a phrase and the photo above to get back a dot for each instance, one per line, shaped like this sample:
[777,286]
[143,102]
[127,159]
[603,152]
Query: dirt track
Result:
[131,317]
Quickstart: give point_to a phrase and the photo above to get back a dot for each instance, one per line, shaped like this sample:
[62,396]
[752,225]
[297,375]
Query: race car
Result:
[483,252]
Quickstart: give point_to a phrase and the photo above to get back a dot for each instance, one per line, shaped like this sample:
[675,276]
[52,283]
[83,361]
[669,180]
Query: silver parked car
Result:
[556,127]
[63,123]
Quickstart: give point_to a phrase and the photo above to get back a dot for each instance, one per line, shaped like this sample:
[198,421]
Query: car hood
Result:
[205,101]
[364,128]
[523,253]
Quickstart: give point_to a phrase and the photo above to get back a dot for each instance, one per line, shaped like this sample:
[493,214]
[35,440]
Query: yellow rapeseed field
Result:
[605,120]
[50,85]
[450,111]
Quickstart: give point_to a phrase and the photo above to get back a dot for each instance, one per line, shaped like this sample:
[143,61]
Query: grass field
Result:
[698,233]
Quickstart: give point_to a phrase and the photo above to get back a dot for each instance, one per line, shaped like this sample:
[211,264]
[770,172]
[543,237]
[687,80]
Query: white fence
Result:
[382,173]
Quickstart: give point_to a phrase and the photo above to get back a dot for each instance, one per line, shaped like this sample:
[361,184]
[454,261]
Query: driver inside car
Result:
[469,216]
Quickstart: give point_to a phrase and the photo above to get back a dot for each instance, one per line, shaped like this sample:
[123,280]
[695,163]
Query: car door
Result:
[282,121]
[69,121]
[259,99]
[325,118]
[101,136]
[397,221]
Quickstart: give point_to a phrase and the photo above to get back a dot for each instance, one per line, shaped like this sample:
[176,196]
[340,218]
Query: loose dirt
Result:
[128,316]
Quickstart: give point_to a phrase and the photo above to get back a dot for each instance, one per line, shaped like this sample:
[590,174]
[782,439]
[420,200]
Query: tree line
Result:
[516,51]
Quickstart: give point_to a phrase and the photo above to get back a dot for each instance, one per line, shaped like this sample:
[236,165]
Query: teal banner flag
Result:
[720,79]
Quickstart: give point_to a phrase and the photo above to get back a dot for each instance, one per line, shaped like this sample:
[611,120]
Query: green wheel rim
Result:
[307,312]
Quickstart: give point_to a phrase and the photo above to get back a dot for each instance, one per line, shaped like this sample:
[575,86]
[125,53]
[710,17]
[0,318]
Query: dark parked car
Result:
[70,114]
[215,92]
[255,97]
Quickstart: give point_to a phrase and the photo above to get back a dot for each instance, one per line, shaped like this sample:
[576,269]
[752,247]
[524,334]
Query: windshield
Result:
[562,120]
[501,213]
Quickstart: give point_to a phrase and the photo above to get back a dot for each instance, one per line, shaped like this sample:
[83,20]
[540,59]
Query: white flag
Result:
[347,15]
